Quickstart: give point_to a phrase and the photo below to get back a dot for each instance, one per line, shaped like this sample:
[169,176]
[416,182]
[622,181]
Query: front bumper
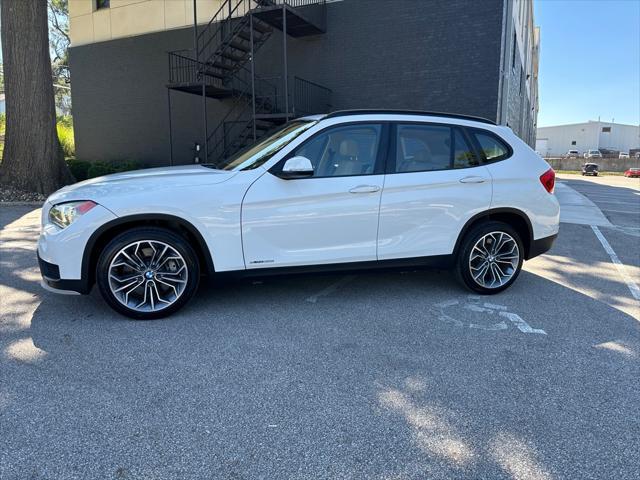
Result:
[51,280]
[61,252]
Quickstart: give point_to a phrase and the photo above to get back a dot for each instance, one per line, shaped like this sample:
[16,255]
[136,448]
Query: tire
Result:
[468,266]
[141,279]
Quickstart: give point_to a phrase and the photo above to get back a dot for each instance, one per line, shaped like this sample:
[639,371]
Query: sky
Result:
[589,60]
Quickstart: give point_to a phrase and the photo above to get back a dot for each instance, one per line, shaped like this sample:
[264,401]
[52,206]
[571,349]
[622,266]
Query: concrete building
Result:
[251,64]
[557,140]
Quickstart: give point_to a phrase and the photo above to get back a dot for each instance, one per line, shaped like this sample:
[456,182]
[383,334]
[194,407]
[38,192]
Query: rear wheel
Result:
[147,273]
[490,258]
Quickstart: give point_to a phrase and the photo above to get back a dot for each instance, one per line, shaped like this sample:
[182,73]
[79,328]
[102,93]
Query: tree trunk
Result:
[33,159]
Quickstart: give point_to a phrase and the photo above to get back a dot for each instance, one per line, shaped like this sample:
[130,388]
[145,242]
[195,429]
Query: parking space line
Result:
[633,288]
[330,289]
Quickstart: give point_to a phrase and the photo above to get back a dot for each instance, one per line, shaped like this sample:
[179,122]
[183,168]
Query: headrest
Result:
[349,148]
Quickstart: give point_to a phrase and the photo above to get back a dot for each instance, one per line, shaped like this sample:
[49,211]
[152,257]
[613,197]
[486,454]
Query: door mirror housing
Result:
[296,167]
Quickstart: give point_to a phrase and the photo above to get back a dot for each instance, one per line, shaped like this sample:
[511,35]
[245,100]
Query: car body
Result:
[592,154]
[590,169]
[623,155]
[344,191]
[632,172]
[572,154]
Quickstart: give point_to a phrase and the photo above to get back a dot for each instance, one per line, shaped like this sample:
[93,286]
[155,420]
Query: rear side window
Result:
[424,148]
[491,147]
[463,156]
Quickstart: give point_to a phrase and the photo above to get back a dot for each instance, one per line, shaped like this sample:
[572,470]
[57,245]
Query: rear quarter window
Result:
[491,147]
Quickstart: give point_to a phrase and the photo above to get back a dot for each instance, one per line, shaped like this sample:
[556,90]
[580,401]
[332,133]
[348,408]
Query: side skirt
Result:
[414,263]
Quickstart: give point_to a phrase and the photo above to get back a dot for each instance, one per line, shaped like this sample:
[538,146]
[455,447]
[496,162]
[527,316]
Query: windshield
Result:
[257,154]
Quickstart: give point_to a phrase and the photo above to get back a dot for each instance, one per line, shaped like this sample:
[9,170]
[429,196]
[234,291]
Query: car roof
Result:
[348,113]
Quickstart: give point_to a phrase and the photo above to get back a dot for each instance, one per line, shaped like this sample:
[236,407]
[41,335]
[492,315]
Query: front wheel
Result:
[490,258]
[147,273]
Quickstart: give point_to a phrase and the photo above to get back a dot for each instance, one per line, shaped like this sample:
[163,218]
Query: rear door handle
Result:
[365,189]
[473,180]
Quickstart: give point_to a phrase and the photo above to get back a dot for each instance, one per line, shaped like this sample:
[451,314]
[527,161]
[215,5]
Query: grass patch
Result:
[600,173]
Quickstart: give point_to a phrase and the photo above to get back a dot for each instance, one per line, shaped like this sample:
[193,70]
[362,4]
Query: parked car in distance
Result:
[346,191]
[572,154]
[592,154]
[623,155]
[632,173]
[590,169]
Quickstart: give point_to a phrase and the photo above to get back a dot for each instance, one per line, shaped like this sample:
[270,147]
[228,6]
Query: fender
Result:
[498,211]
[89,255]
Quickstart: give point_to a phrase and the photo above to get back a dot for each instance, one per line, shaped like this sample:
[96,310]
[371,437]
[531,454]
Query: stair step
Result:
[213,73]
[246,35]
[221,66]
[231,56]
[240,46]
[262,28]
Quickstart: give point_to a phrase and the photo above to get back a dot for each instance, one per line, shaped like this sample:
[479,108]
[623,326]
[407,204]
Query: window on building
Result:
[573,142]
[606,129]
[100,4]
[513,52]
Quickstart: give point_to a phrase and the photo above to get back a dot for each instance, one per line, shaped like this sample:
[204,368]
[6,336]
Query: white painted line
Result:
[523,326]
[494,306]
[633,288]
[620,211]
[331,288]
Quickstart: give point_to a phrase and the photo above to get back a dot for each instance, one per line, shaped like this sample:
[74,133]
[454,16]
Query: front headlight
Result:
[64,214]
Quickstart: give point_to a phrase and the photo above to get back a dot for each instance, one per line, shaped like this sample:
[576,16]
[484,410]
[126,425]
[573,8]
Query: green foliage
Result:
[82,170]
[3,124]
[65,135]
[79,168]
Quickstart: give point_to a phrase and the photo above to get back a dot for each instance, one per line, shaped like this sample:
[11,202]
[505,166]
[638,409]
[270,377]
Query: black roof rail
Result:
[344,113]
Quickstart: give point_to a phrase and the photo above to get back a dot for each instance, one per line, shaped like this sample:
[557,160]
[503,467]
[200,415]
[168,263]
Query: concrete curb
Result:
[576,208]
[21,204]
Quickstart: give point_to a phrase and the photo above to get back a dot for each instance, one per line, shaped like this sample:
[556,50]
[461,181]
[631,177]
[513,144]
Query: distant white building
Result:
[592,135]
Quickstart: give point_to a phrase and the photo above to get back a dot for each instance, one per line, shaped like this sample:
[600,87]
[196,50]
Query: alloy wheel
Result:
[494,259]
[148,275]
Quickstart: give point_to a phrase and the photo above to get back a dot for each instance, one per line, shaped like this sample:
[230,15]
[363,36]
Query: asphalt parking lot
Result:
[395,375]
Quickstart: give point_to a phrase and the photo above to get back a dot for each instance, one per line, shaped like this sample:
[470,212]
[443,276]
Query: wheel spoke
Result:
[148,275]
[494,259]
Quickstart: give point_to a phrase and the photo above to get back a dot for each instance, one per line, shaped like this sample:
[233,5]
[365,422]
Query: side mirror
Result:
[296,167]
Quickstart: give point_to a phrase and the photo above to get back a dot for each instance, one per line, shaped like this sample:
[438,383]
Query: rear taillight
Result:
[548,180]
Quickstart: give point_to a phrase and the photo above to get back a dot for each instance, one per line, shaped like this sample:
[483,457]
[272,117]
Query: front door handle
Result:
[365,189]
[473,179]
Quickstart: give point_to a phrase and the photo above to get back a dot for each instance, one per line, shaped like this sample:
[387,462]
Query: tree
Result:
[33,159]
[59,47]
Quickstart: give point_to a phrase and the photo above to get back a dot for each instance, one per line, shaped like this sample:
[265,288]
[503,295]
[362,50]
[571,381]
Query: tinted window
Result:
[492,148]
[421,148]
[463,155]
[341,151]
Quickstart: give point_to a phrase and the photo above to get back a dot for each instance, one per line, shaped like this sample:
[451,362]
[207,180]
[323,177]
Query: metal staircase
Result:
[222,66]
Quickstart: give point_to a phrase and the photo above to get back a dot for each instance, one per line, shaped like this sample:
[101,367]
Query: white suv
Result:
[345,191]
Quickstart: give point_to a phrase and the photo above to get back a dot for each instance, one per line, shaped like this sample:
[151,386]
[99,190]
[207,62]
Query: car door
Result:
[329,217]
[435,182]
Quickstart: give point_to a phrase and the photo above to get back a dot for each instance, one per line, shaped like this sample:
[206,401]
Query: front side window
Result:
[491,147]
[100,4]
[343,151]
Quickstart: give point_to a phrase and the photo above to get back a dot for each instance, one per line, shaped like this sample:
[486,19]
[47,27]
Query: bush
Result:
[65,135]
[79,168]
[98,169]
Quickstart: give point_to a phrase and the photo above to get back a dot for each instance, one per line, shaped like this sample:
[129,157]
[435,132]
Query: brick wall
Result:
[440,55]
